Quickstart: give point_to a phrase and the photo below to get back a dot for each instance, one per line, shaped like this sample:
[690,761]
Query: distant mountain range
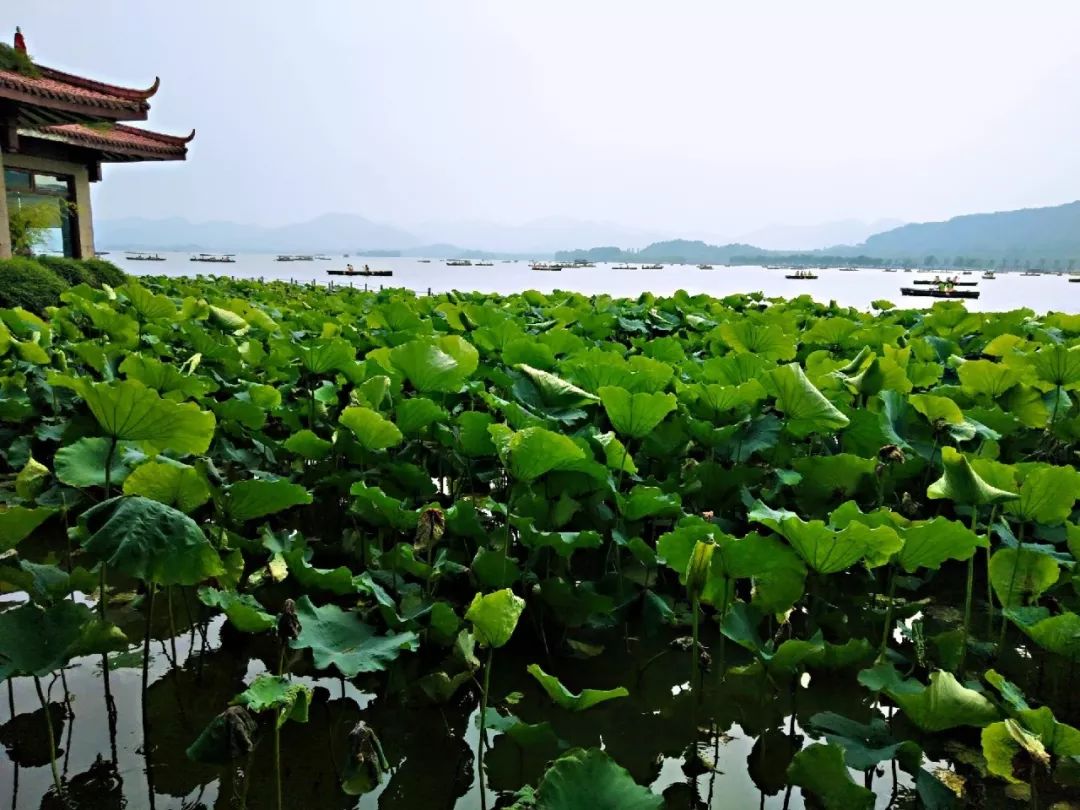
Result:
[354,234]
[1026,236]
[812,237]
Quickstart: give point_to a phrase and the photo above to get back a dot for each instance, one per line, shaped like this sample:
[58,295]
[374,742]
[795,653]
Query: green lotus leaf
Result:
[1010,692]
[828,551]
[930,543]
[1057,634]
[339,581]
[82,463]
[961,484]
[635,415]
[987,377]
[532,452]
[494,616]
[944,704]
[37,641]
[243,610]
[591,780]
[307,444]
[819,769]
[644,502]
[937,409]
[152,306]
[568,700]
[1019,575]
[18,522]
[556,392]
[1047,495]
[229,736]
[1058,365]
[149,541]
[380,509]
[259,497]
[414,414]
[441,364]
[472,433]
[1032,741]
[322,356]
[767,341]
[805,408]
[168,483]
[276,693]
[866,745]
[616,455]
[129,411]
[31,479]
[372,430]
[341,639]
[227,320]
[563,543]
[47,583]
[164,377]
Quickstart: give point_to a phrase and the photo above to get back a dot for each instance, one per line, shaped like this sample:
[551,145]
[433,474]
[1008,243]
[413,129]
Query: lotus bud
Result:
[288,623]
[697,570]
[891,454]
[366,764]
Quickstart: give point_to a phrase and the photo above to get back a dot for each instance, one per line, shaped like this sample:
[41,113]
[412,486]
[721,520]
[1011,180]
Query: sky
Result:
[684,117]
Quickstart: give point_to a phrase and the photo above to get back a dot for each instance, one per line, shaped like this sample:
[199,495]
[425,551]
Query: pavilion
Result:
[56,129]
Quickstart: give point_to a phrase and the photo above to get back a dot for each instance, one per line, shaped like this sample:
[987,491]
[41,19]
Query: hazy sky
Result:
[687,117]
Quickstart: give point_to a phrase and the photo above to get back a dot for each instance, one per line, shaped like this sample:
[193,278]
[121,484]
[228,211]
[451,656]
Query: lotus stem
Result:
[888,612]
[1012,583]
[277,763]
[52,743]
[483,718]
[967,598]
[694,662]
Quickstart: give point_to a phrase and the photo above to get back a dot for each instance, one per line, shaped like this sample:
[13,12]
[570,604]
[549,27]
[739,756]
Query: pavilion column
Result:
[5,232]
[84,214]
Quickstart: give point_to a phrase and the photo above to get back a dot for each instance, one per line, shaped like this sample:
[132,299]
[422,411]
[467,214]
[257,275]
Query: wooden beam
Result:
[9,137]
[94,171]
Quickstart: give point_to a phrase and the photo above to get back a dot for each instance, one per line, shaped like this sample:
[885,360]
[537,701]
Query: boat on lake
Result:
[1074,279]
[947,282]
[483,264]
[294,258]
[947,292]
[849,269]
[802,275]
[623,267]
[652,267]
[424,261]
[142,257]
[1031,273]
[704,267]
[458,263]
[547,267]
[364,271]
[213,258]
[989,275]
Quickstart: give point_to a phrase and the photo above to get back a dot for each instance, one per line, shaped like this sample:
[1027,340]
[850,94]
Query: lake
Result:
[857,289]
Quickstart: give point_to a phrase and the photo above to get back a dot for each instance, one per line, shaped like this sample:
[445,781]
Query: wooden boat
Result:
[947,283]
[849,269]
[934,293]
[483,264]
[458,263]
[288,258]
[623,267]
[704,267]
[547,267]
[652,267]
[143,257]
[424,261]
[989,275]
[1074,279]
[802,275]
[890,269]
[1030,273]
[212,258]
[360,272]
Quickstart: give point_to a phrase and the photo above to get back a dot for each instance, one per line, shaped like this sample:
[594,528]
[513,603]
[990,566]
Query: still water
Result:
[857,289]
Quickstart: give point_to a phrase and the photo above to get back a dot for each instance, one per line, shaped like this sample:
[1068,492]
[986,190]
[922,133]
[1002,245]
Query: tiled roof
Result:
[117,142]
[56,88]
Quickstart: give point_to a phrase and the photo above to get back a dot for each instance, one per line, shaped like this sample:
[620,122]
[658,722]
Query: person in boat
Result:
[349,268]
[367,269]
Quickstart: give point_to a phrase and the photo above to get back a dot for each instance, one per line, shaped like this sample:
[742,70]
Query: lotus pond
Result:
[277,547]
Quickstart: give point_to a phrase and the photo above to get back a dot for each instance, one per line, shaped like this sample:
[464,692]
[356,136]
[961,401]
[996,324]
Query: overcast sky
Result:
[685,117]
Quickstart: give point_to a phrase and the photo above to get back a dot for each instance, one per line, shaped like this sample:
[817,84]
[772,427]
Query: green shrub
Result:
[105,272]
[26,283]
[72,271]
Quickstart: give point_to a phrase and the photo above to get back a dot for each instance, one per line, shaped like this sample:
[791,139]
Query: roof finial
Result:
[20,42]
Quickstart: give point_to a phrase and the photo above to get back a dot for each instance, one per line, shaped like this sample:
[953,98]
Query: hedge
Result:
[36,283]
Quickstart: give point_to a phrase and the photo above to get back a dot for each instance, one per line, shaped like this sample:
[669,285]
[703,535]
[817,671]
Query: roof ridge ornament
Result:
[20,40]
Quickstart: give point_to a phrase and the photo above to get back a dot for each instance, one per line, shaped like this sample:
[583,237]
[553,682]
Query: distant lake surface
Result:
[857,289]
